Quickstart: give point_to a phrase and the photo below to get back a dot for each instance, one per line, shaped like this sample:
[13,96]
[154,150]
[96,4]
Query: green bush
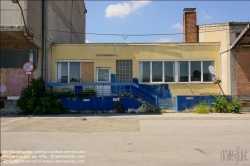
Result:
[201,108]
[35,100]
[234,107]
[220,105]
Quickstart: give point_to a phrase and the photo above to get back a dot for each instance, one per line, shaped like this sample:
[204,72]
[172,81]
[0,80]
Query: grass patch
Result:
[201,108]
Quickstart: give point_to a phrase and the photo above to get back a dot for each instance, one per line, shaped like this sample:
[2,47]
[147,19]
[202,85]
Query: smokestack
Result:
[190,30]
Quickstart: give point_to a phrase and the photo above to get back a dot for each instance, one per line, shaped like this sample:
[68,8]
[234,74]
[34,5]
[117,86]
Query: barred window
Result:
[124,70]
[16,58]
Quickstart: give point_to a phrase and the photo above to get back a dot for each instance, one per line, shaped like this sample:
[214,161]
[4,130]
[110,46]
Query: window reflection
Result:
[183,71]
[195,70]
[145,71]
[157,71]
[169,72]
[207,76]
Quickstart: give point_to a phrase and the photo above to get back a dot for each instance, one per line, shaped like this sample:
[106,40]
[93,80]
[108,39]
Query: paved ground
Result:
[168,139]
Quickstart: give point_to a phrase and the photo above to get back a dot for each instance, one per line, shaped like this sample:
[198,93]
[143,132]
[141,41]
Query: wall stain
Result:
[17,80]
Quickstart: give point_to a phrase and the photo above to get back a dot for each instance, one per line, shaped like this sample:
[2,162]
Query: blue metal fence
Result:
[188,102]
[126,89]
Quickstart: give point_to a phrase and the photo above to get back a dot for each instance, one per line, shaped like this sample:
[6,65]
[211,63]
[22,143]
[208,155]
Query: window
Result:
[124,70]
[207,76]
[195,70]
[237,34]
[144,71]
[68,72]
[183,71]
[103,75]
[62,72]
[157,71]
[174,71]
[74,71]
[169,70]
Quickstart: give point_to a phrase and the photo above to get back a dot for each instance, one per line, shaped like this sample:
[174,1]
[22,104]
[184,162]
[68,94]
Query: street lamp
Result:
[17,1]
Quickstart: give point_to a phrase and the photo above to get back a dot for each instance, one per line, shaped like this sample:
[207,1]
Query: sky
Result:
[121,19]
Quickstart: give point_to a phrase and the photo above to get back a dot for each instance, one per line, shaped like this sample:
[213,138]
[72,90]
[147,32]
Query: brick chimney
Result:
[190,30]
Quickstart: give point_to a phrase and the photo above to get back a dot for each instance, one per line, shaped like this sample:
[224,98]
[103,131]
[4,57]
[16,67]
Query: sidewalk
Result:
[176,115]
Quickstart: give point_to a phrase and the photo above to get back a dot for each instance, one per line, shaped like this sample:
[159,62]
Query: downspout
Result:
[43,40]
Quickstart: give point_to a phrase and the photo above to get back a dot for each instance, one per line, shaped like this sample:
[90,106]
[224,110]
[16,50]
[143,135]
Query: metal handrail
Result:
[116,89]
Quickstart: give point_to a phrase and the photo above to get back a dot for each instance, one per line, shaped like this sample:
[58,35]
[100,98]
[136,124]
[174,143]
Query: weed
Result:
[220,105]
[119,107]
[234,107]
[201,108]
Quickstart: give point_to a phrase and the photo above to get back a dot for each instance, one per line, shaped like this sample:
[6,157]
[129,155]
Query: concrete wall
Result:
[234,30]
[11,13]
[138,52]
[65,22]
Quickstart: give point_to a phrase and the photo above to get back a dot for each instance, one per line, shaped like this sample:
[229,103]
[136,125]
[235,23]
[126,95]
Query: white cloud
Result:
[205,15]
[86,41]
[178,26]
[165,40]
[121,10]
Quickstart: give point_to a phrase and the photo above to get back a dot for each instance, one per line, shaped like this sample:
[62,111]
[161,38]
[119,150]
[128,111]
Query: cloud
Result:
[165,40]
[86,41]
[205,15]
[177,26]
[121,10]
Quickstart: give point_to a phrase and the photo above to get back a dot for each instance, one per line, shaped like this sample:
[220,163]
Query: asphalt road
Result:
[148,140]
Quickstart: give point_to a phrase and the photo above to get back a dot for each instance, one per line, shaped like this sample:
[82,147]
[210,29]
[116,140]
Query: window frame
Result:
[119,68]
[68,61]
[17,59]
[176,72]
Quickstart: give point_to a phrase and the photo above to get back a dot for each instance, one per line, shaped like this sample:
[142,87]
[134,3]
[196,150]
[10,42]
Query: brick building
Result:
[241,47]
[234,38]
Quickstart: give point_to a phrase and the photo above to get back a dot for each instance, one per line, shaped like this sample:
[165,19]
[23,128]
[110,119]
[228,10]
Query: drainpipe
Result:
[44,40]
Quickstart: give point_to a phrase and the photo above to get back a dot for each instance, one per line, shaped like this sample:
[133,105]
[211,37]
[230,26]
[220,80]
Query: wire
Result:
[127,35]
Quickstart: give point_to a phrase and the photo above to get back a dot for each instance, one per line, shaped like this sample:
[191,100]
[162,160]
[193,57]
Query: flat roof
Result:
[144,44]
[224,23]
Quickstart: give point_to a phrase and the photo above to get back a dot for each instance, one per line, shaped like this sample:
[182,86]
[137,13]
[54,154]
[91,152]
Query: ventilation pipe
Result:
[44,40]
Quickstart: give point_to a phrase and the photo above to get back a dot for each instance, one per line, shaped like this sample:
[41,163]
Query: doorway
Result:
[103,76]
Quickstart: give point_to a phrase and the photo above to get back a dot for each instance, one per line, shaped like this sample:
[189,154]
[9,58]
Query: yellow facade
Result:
[220,33]
[138,52]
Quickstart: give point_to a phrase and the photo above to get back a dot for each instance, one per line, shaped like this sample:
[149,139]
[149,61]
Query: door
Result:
[103,76]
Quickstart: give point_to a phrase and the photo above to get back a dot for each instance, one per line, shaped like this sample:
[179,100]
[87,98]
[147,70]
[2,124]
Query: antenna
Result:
[211,70]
